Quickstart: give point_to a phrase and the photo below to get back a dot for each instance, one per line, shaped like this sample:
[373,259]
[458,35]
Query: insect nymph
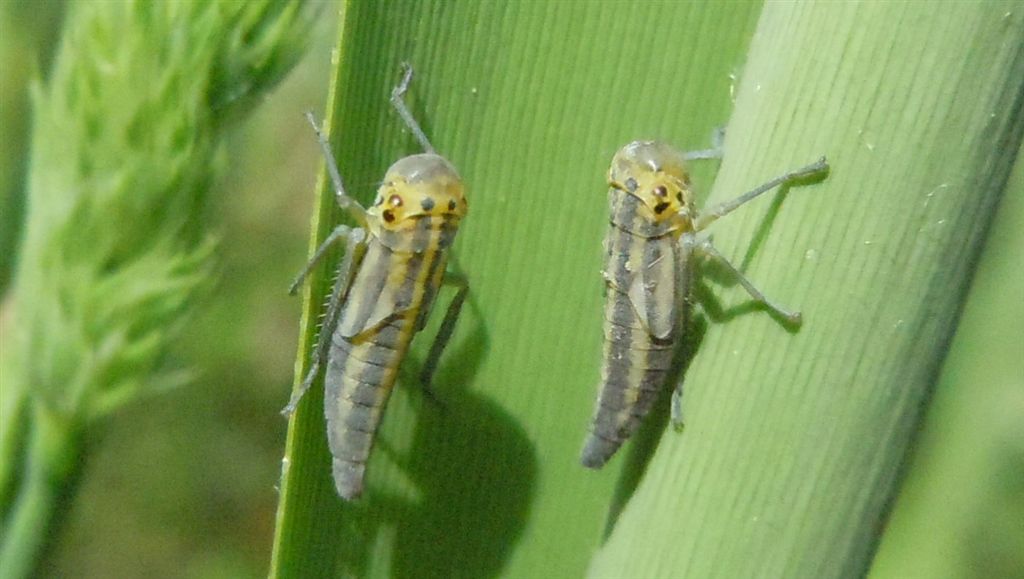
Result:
[651,247]
[394,264]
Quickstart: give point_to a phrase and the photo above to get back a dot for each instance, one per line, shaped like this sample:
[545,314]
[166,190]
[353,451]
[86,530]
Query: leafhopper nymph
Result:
[651,248]
[394,264]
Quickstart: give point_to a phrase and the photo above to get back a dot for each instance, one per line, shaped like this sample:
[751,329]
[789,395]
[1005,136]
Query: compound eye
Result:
[660,191]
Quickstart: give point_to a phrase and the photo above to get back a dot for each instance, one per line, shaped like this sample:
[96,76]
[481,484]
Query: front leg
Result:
[711,215]
[717,150]
[398,101]
[354,209]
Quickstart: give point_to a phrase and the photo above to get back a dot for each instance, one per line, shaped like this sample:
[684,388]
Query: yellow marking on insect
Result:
[418,186]
[656,174]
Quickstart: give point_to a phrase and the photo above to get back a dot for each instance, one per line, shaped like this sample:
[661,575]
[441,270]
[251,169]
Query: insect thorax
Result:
[435,233]
[629,213]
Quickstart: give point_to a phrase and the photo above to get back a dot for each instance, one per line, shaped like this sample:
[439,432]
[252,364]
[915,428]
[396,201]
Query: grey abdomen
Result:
[634,370]
[357,385]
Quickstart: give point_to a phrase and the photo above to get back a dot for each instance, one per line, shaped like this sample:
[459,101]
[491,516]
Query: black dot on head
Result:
[660,207]
[679,196]
[451,205]
[389,216]
[427,203]
[631,184]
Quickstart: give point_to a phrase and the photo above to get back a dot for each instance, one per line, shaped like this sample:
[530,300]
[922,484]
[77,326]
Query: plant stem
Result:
[51,472]
[12,429]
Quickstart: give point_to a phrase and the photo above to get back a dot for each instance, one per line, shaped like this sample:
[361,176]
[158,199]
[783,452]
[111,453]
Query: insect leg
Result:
[717,150]
[339,232]
[677,406]
[705,247]
[713,214]
[344,201]
[403,110]
[346,271]
[686,246]
[446,330]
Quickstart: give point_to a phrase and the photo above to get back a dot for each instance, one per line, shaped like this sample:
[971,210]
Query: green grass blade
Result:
[795,442]
[529,100]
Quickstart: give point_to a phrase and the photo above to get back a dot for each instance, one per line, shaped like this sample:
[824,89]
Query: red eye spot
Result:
[660,191]
[388,216]
[395,201]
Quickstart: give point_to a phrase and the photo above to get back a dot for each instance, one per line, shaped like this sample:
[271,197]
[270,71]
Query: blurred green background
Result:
[182,484]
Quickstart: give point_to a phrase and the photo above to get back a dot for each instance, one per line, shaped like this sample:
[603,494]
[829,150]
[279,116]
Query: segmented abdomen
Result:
[357,386]
[634,370]
[636,364]
[388,295]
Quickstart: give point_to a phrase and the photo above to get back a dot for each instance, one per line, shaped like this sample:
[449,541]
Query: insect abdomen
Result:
[633,373]
[636,363]
[358,382]
[371,339]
